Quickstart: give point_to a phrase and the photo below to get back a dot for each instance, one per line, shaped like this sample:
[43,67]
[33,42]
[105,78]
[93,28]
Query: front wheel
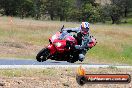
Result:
[43,55]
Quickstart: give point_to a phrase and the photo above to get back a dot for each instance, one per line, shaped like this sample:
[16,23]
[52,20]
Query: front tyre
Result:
[43,55]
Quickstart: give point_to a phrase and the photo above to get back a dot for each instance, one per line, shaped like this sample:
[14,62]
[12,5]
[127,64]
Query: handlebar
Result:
[62,28]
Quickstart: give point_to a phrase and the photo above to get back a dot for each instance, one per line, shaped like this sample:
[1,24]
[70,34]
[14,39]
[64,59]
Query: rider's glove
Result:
[77,46]
[69,31]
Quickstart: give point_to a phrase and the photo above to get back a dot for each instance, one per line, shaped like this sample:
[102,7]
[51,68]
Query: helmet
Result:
[84,27]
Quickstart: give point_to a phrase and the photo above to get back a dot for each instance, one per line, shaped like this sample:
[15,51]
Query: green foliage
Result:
[63,7]
[74,14]
[124,5]
[116,10]
[91,12]
[87,12]
[25,8]
[111,11]
[8,6]
[22,8]
[89,1]
[50,8]
[67,10]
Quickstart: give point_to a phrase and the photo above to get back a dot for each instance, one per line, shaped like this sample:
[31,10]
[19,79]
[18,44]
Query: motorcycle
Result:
[62,50]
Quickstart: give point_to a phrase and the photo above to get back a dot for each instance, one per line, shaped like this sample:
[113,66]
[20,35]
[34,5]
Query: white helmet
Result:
[84,27]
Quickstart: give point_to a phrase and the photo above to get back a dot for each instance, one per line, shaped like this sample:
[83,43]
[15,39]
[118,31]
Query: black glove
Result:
[69,31]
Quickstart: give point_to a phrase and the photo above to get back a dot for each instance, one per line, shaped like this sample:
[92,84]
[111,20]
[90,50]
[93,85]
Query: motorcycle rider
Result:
[83,38]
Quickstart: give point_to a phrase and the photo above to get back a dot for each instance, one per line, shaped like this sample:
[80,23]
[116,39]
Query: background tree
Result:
[62,9]
[90,12]
[9,7]
[67,10]
[111,11]
[24,8]
[124,5]
[17,7]
[50,8]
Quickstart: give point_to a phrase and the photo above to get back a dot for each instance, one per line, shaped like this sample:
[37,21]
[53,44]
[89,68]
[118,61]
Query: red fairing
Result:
[52,48]
[54,37]
[60,45]
[71,39]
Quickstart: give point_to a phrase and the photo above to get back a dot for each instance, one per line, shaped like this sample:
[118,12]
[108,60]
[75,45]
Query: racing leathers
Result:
[83,40]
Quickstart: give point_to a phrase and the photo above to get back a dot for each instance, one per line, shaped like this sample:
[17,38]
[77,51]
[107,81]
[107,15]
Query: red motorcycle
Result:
[62,50]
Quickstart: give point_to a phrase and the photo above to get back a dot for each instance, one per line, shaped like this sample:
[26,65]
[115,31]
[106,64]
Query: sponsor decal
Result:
[83,78]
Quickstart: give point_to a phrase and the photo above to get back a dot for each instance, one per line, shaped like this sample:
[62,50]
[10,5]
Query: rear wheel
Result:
[43,55]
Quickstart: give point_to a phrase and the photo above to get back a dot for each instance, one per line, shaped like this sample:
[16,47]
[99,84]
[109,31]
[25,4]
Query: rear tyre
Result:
[43,55]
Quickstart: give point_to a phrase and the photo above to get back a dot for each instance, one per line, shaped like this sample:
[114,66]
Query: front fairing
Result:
[52,49]
[60,45]
[57,45]
[54,37]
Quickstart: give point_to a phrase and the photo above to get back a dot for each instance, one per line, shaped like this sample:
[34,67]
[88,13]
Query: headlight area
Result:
[57,44]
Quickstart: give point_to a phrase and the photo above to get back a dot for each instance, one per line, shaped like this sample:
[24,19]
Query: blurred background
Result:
[106,11]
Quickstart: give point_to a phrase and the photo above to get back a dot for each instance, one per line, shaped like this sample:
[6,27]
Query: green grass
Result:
[35,72]
[27,72]
[127,54]
[106,53]
[114,44]
[129,20]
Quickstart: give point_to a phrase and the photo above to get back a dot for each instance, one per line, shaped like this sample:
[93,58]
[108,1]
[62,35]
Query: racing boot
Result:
[81,57]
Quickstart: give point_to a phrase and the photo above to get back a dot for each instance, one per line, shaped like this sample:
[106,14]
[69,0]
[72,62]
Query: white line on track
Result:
[59,66]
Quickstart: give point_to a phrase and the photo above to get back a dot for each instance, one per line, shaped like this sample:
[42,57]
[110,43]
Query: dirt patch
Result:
[15,49]
[12,44]
[65,78]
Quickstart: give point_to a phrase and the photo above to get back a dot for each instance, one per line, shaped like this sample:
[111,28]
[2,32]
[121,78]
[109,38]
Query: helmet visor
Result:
[85,30]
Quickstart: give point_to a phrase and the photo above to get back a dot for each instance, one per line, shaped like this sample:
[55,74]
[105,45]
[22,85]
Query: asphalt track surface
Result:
[6,63]
[31,62]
